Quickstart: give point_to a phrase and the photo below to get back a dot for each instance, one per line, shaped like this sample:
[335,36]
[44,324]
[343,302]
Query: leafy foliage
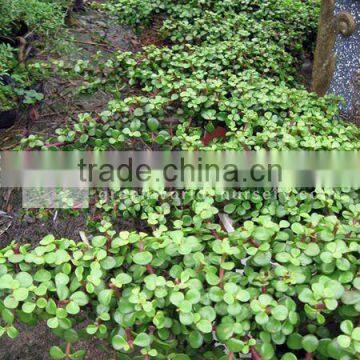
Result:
[19,18]
[183,288]
[232,65]
[284,285]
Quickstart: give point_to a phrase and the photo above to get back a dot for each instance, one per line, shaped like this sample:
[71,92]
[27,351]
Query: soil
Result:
[33,343]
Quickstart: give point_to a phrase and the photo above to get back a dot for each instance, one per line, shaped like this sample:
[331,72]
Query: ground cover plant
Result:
[198,274]
[24,27]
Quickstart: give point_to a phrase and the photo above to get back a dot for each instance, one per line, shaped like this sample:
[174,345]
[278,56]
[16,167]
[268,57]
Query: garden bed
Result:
[157,275]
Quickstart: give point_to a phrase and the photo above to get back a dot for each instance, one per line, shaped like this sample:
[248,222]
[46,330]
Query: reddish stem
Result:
[129,338]
[108,243]
[116,290]
[320,306]
[254,243]
[149,268]
[222,272]
[254,354]
[308,356]
[231,356]
[16,249]
[68,350]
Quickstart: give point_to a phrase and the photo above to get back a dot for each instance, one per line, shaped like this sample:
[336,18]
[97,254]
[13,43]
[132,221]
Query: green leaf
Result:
[224,331]
[70,336]
[312,249]
[262,258]
[143,258]
[176,298]
[119,343]
[212,279]
[153,124]
[235,345]
[261,318]
[209,114]
[344,341]
[25,279]
[280,312]
[262,234]
[98,241]
[347,327]
[84,138]
[356,334]
[7,316]
[72,308]
[138,112]
[21,294]
[288,356]
[326,235]
[47,240]
[142,340]
[294,341]
[61,279]
[56,353]
[28,307]
[53,323]
[105,296]
[208,313]
[42,275]
[185,306]
[204,326]
[193,296]
[229,208]
[195,339]
[78,355]
[298,228]
[10,302]
[243,295]
[310,343]
[6,282]
[12,332]
[80,298]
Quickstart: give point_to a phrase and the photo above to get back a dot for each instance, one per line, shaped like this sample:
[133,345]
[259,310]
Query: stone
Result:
[337,57]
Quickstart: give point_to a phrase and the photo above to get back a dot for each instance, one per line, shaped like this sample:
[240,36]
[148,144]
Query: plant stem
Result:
[149,268]
[68,350]
[222,272]
[254,354]
[129,338]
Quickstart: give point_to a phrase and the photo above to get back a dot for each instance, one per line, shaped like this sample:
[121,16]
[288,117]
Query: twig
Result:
[107,47]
